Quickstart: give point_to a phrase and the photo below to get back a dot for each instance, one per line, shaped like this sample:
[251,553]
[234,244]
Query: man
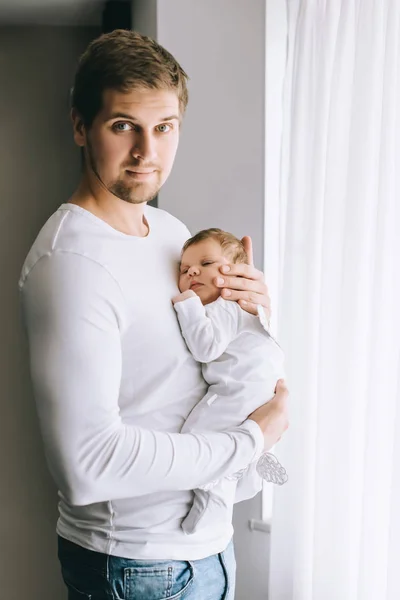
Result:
[112,377]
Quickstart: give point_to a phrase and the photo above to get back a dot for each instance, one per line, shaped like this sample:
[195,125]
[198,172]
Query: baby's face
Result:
[199,267]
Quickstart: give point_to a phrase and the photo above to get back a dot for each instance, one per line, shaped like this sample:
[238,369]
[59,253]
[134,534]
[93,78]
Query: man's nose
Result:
[145,147]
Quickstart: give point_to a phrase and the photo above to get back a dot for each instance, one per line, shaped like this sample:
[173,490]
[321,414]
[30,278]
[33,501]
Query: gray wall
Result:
[39,167]
[144,17]
[218,178]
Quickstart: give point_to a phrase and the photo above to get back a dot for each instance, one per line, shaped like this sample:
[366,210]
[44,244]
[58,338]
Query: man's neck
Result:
[123,216]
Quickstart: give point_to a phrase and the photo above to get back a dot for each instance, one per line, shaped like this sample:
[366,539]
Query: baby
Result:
[241,362]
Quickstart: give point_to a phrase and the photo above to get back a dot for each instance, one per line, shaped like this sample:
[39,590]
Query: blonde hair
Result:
[232,247]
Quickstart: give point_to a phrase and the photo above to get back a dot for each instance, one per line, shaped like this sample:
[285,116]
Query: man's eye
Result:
[165,128]
[122,126]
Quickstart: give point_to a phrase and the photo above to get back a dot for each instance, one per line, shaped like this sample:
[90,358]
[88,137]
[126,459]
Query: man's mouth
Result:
[140,175]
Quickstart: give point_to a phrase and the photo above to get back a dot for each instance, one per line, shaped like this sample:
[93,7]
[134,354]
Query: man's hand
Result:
[245,284]
[183,296]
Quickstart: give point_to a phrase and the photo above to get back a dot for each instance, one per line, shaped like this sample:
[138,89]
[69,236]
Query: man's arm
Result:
[74,314]
[207,330]
[249,485]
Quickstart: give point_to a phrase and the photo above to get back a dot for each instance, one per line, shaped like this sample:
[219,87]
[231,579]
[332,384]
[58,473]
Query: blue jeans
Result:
[91,575]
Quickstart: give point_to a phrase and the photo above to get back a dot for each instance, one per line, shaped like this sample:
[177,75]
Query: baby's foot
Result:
[270,469]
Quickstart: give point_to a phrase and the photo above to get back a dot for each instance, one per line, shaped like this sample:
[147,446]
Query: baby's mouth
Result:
[195,284]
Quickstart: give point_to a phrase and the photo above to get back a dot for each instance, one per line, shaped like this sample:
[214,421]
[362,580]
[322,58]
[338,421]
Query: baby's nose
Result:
[193,270]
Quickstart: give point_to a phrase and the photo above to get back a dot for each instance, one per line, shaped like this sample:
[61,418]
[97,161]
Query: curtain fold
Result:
[336,526]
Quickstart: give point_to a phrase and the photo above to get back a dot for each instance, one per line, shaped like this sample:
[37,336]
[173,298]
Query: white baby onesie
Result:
[241,364]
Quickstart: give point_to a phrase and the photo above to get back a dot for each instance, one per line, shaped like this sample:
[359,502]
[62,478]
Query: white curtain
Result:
[336,523]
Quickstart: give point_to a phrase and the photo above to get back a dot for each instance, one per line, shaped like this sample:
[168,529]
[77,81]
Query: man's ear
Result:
[79,128]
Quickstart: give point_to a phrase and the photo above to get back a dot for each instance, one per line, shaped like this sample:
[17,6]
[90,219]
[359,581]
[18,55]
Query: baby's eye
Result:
[184,271]
[208,262]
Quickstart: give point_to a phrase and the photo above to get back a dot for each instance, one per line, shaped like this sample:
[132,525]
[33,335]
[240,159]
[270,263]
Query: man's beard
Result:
[135,194]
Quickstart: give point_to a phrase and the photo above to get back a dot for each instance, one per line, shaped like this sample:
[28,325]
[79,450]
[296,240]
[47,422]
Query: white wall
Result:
[39,167]
[218,178]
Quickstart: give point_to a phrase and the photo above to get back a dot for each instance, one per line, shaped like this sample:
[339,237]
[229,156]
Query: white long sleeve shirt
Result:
[114,382]
[241,361]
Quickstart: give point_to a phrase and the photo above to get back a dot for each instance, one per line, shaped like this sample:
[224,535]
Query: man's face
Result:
[133,140]
[199,266]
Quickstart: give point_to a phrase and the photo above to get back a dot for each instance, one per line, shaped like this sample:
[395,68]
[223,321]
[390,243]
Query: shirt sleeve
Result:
[249,485]
[74,315]
[208,330]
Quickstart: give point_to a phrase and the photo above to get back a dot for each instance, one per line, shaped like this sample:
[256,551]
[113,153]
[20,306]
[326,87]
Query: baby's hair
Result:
[230,244]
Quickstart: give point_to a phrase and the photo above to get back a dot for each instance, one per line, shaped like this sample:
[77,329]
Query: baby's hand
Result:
[184,296]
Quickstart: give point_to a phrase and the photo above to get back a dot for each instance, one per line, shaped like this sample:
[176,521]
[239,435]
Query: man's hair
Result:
[232,247]
[123,60]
